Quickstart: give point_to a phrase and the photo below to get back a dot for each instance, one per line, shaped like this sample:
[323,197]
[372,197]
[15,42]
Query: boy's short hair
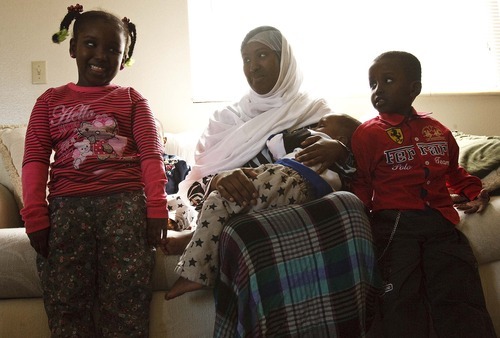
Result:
[409,62]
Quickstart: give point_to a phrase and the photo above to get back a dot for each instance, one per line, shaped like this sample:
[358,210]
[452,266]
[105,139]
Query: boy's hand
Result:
[39,240]
[318,150]
[157,231]
[477,205]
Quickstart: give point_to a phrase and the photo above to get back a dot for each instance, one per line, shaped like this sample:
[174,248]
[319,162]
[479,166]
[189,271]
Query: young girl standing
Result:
[106,208]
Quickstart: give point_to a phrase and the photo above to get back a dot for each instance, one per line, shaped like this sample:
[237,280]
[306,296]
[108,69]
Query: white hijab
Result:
[237,133]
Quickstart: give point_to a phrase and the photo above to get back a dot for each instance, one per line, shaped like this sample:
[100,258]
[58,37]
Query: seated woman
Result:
[333,294]
[236,136]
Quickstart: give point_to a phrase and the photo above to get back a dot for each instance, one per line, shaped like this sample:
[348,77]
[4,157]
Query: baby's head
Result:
[395,82]
[338,127]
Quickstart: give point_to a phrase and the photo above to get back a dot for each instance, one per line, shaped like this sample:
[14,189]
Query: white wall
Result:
[161,71]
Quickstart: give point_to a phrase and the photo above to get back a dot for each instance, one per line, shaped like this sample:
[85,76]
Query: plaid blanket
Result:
[298,271]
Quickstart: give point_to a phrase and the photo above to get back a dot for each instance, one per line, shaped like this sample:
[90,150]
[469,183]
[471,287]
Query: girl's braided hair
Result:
[75,13]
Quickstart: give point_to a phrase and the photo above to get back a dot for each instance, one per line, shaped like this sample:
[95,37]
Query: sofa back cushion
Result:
[9,211]
[11,159]
[18,276]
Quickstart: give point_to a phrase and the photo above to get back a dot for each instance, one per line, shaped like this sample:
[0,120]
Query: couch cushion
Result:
[163,274]
[21,318]
[18,275]
[11,155]
[483,231]
[480,156]
[9,212]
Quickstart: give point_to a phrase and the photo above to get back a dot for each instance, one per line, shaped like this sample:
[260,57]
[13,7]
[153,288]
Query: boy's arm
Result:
[460,182]
[361,184]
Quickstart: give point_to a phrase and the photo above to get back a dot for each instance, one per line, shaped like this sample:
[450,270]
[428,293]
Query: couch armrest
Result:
[9,211]
[483,231]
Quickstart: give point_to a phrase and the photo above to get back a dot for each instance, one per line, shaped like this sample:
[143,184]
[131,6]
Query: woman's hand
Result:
[319,150]
[477,205]
[235,186]
[39,240]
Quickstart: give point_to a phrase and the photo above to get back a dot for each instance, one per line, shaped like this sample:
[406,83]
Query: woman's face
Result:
[261,66]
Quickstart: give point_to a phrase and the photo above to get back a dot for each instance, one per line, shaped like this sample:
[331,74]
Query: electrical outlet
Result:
[38,72]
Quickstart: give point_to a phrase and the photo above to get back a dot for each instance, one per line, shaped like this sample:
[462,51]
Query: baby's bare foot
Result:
[177,241]
[181,286]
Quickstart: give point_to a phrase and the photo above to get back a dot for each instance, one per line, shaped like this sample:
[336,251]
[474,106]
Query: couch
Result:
[191,315]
